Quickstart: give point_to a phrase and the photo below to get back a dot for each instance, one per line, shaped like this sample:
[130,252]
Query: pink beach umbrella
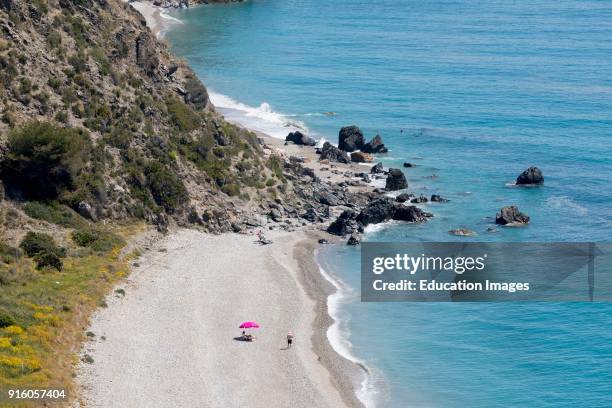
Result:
[249,325]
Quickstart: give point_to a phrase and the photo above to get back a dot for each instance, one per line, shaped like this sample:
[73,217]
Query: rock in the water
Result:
[299,138]
[410,214]
[438,199]
[402,198]
[344,224]
[360,157]
[87,211]
[406,164]
[377,168]
[333,154]
[420,199]
[511,215]
[463,232]
[375,145]
[532,175]
[353,240]
[396,180]
[350,139]
[377,211]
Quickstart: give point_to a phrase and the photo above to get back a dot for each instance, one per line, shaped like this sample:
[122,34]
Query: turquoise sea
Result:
[472,93]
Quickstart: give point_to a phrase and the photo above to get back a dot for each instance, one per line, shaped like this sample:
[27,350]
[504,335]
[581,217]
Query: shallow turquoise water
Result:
[472,93]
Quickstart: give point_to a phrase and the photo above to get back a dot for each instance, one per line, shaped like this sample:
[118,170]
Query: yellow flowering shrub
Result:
[13,330]
[5,342]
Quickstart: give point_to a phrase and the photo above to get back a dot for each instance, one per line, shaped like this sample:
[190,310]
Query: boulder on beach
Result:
[350,139]
[360,157]
[396,180]
[333,154]
[375,145]
[299,138]
[377,168]
[532,175]
[510,215]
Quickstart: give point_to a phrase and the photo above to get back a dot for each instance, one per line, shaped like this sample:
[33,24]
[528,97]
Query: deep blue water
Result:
[472,93]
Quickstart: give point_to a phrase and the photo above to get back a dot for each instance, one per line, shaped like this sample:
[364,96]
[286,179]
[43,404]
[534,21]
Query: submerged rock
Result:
[375,145]
[396,180]
[406,164]
[463,232]
[333,154]
[532,175]
[350,139]
[511,215]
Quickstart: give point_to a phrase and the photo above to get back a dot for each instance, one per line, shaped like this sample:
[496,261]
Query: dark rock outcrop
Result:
[377,211]
[419,200]
[299,138]
[511,215]
[438,199]
[410,214]
[350,139]
[532,175]
[377,168]
[87,211]
[333,154]
[353,240]
[396,180]
[360,157]
[375,145]
[402,198]
[344,224]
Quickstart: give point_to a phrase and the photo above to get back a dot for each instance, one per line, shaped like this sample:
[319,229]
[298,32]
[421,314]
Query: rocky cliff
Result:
[98,116]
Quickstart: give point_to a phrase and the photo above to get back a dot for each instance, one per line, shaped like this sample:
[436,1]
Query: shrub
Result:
[6,319]
[231,189]
[98,240]
[54,213]
[44,159]
[182,115]
[166,188]
[41,247]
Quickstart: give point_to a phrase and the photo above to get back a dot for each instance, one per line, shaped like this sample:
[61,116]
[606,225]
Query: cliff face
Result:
[151,146]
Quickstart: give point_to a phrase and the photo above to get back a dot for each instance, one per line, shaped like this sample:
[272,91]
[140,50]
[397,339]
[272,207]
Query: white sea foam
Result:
[565,202]
[261,118]
[338,336]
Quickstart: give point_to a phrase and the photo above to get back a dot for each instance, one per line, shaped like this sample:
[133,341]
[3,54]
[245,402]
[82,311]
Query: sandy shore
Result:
[170,340]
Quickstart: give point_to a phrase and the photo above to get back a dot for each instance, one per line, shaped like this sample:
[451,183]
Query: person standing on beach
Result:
[289,340]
